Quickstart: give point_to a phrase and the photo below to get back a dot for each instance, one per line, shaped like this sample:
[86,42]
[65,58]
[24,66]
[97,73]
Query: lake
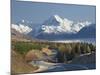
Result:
[70,67]
[85,40]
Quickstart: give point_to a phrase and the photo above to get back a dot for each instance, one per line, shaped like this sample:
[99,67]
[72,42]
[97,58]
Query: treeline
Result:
[67,51]
[71,50]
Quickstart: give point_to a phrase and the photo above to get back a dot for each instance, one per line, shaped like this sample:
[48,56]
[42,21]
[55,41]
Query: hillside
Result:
[15,35]
[18,64]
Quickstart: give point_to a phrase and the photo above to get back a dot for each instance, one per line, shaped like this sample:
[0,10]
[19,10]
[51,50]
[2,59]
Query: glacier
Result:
[53,25]
[21,28]
[64,25]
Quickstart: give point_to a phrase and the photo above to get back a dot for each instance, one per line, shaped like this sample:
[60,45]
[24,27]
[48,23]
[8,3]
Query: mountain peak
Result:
[56,16]
[53,20]
[22,28]
[87,23]
[56,24]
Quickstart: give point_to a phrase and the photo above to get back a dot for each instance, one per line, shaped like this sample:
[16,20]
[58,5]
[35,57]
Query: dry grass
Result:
[19,66]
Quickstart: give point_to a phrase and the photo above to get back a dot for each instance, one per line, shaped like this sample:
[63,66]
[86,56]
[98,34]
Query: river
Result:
[69,67]
[57,67]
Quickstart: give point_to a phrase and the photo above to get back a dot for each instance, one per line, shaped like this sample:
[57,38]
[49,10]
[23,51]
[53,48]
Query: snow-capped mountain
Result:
[53,20]
[22,28]
[85,32]
[78,26]
[89,31]
[56,24]
[61,28]
[55,27]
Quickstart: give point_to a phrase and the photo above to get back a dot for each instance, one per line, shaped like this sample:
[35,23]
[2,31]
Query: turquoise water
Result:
[86,40]
[70,67]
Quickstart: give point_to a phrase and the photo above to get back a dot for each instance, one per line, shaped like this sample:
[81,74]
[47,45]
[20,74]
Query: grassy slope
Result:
[18,65]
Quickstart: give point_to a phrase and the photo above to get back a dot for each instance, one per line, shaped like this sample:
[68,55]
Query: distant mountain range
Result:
[15,35]
[57,28]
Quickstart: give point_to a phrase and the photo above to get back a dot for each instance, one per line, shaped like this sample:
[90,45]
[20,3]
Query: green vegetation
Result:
[22,52]
[67,50]
[24,47]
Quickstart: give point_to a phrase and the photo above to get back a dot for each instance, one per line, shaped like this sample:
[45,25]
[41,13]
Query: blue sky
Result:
[39,12]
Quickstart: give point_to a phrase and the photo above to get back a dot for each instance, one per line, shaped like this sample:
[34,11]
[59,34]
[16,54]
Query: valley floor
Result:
[55,67]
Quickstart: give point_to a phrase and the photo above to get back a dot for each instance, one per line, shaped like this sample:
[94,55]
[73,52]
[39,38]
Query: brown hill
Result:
[19,65]
[17,36]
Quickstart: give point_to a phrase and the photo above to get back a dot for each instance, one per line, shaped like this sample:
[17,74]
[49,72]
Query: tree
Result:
[83,48]
[77,49]
[92,47]
[66,51]
[88,50]
[62,49]
[68,48]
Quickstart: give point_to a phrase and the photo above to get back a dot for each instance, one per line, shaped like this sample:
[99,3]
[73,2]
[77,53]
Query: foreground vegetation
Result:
[67,51]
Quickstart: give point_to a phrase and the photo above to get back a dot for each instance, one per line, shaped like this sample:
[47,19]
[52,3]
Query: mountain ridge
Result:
[56,27]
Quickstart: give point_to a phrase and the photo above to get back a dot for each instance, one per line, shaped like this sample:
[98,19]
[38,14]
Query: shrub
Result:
[23,47]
